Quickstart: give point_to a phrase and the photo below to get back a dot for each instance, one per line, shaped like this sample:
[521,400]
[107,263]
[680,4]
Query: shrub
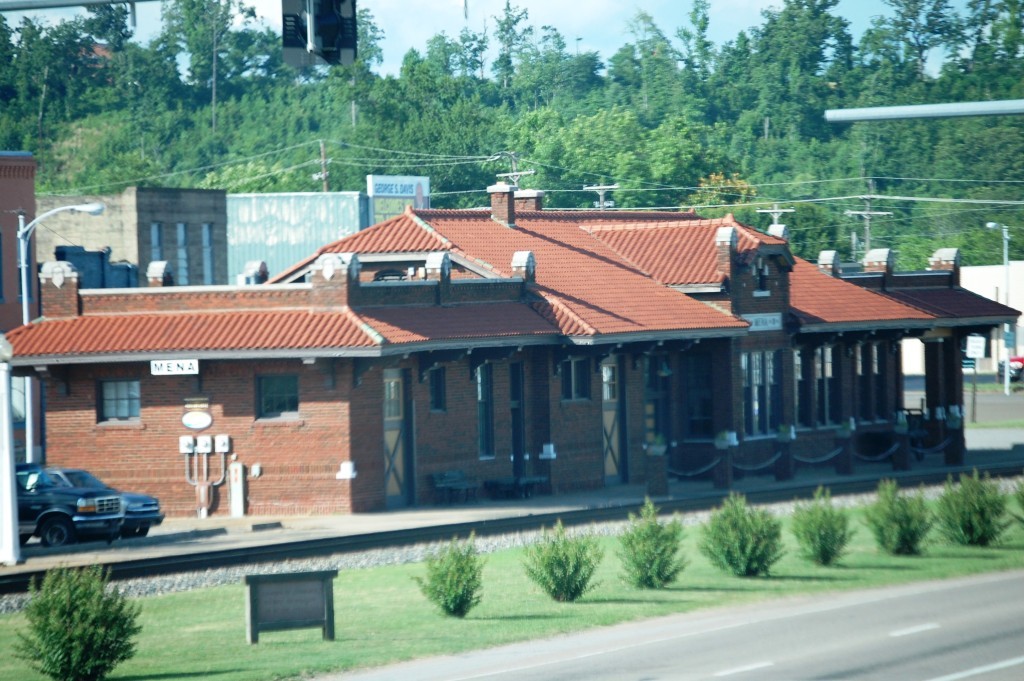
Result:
[743,540]
[563,565]
[822,530]
[899,522]
[454,577]
[650,549]
[972,513]
[78,629]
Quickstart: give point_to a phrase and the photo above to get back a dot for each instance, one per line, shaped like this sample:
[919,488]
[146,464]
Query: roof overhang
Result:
[839,327]
[655,336]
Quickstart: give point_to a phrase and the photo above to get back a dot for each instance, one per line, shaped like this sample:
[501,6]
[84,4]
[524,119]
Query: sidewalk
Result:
[987,448]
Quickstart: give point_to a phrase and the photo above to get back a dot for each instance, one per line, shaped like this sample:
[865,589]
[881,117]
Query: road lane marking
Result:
[968,673]
[744,669]
[910,631]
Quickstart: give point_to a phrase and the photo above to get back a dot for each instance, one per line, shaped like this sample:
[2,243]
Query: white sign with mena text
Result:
[173,367]
[771,321]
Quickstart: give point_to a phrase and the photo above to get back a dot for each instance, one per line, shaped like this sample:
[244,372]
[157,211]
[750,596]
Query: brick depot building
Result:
[512,343]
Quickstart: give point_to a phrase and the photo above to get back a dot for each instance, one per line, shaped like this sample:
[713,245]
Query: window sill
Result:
[135,424]
[280,422]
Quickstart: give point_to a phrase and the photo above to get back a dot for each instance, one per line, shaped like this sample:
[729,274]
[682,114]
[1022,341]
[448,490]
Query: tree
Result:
[921,26]
[510,39]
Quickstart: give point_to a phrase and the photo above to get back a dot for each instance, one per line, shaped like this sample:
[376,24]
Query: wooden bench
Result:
[454,485]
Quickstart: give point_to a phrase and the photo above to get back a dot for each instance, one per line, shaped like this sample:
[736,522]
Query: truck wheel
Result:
[58,531]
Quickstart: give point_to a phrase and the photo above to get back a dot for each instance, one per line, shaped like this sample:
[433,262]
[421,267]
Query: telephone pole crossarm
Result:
[601,189]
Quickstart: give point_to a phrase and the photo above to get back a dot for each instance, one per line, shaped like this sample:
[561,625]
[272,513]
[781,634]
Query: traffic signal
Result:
[318,28]
[334,28]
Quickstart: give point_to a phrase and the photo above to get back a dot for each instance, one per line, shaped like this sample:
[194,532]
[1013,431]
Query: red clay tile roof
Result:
[591,289]
[678,252]
[202,332]
[400,234]
[819,299]
[953,304]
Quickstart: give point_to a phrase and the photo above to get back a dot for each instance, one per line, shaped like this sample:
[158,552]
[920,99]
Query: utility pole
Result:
[514,159]
[601,189]
[867,214]
[323,166]
[775,212]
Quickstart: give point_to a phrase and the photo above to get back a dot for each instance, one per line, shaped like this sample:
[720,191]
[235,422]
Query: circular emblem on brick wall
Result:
[196,420]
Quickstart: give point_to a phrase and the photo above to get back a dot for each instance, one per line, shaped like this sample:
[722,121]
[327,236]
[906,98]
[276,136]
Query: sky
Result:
[590,25]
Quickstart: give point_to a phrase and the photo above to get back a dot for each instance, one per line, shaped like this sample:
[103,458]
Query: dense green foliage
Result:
[650,550]
[78,630]
[740,539]
[821,529]
[900,522]
[973,512]
[563,564]
[454,577]
[671,117]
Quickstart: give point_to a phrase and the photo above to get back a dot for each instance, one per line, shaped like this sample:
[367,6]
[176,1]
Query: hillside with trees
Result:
[672,118]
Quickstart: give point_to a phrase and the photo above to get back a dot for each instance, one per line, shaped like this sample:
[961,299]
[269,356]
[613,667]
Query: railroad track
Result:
[311,548]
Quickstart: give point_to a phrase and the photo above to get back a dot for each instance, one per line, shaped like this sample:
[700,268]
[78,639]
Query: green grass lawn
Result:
[381,617]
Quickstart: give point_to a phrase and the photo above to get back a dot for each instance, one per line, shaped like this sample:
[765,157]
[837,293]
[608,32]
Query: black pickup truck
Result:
[61,515]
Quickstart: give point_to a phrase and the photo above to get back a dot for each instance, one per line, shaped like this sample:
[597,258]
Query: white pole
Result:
[10,546]
[24,234]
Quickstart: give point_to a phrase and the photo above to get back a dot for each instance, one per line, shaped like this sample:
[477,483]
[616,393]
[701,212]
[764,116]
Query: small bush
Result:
[822,530]
[454,577]
[899,522]
[78,630]
[563,565]
[972,513]
[649,549]
[742,540]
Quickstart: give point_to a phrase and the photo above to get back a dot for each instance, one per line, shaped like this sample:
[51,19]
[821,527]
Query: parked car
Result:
[60,514]
[1016,368]
[141,511]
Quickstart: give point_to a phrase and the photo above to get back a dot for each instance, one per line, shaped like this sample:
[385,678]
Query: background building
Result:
[187,228]
[282,229]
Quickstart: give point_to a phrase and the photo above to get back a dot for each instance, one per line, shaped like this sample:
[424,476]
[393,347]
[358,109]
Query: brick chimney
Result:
[159,273]
[335,279]
[947,259]
[58,287]
[725,248]
[529,199]
[828,262]
[503,207]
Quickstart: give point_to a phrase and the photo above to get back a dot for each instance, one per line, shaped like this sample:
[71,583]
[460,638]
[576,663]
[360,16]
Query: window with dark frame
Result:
[438,390]
[119,400]
[576,379]
[277,396]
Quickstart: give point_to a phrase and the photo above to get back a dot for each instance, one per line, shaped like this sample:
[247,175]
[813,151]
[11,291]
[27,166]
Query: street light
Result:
[24,234]
[10,545]
[1006,296]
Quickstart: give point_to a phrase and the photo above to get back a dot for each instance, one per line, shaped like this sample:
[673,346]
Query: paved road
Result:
[952,630]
